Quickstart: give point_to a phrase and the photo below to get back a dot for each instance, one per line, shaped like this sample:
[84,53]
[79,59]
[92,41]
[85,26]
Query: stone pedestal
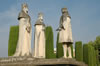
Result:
[30,61]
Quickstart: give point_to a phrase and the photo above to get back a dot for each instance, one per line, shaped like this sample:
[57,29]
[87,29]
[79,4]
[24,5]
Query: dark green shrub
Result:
[97,58]
[49,43]
[13,38]
[59,52]
[85,53]
[89,55]
[79,51]
[72,49]
[90,58]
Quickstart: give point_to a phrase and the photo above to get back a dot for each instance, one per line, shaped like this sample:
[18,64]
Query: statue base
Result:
[30,61]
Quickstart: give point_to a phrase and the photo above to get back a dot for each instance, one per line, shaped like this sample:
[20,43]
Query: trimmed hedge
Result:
[89,56]
[72,49]
[13,38]
[97,58]
[79,51]
[49,42]
[85,53]
[59,52]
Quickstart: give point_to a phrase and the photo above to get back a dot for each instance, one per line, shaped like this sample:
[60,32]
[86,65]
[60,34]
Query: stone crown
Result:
[24,5]
[64,9]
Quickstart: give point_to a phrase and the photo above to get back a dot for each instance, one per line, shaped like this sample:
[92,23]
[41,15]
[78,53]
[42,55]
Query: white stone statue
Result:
[24,40]
[39,39]
[65,32]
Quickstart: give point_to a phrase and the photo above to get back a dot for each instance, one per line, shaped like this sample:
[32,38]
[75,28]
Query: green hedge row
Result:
[79,51]
[85,53]
[13,38]
[59,51]
[49,43]
[89,55]
[72,50]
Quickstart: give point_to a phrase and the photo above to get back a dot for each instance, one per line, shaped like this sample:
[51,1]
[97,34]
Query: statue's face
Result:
[40,17]
[64,11]
[25,8]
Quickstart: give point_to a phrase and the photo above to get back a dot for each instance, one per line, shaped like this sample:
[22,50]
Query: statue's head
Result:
[64,10]
[25,8]
[40,16]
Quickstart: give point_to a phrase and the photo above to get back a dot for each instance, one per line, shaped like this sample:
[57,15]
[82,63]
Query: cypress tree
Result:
[72,50]
[59,52]
[89,55]
[79,51]
[13,38]
[85,53]
[94,52]
[90,59]
[97,57]
[49,42]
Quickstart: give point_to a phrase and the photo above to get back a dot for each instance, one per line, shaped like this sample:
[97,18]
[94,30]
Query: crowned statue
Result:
[39,39]
[65,32]
[25,30]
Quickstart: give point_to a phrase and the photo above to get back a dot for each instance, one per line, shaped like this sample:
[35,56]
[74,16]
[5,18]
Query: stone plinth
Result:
[30,61]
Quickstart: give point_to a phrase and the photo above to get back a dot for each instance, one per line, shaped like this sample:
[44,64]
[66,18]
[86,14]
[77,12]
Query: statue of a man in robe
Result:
[39,39]
[65,32]
[24,41]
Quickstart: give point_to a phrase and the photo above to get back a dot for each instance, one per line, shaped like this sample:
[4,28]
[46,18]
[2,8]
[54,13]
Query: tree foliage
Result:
[89,55]
[79,51]
[59,52]
[85,53]
[49,42]
[13,38]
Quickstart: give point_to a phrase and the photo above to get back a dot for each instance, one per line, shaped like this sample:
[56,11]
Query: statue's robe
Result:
[65,34]
[39,40]
[24,41]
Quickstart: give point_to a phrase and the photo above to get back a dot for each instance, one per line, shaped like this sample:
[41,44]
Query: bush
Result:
[89,55]
[79,51]
[59,52]
[85,53]
[97,57]
[72,49]
[49,43]
[13,38]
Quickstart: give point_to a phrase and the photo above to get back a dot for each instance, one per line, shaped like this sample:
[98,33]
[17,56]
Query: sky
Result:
[85,18]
